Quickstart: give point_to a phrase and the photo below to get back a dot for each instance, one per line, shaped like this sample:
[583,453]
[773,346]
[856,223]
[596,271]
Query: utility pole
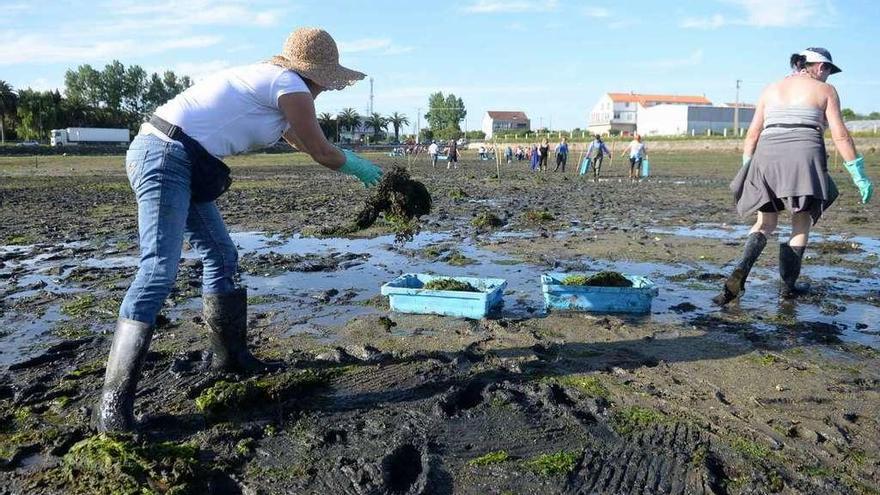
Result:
[371,96]
[418,132]
[736,110]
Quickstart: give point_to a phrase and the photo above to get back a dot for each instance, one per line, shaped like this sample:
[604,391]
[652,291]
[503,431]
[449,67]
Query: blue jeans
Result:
[159,174]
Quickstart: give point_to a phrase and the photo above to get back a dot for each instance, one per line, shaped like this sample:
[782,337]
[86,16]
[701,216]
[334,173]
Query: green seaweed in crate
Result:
[601,279]
[450,284]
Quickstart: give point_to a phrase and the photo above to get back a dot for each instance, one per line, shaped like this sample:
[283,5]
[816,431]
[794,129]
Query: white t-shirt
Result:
[433,149]
[637,149]
[235,110]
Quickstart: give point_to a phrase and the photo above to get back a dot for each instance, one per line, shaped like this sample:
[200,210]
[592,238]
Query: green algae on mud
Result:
[601,279]
[227,398]
[119,464]
[632,419]
[487,220]
[553,464]
[496,457]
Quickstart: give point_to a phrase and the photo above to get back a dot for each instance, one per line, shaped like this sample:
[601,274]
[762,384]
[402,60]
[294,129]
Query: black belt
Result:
[796,126]
[210,176]
[174,132]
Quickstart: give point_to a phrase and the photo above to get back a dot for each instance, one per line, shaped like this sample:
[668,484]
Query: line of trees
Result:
[117,96]
[848,114]
[348,119]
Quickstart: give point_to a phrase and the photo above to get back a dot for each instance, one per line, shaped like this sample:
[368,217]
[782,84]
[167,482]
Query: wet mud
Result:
[765,396]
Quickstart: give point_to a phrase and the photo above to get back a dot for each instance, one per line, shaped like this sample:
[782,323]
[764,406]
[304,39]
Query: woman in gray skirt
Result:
[784,167]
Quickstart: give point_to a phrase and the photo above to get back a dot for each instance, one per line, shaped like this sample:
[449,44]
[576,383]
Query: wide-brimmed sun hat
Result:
[816,55]
[312,53]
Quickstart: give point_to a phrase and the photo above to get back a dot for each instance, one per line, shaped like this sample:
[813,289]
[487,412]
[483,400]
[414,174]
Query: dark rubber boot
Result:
[735,284]
[115,409]
[790,260]
[226,316]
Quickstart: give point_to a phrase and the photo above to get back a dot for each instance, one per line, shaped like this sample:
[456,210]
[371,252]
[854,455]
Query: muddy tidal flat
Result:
[764,396]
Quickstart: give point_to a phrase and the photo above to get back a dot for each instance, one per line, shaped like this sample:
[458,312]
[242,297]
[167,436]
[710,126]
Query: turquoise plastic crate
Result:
[406,295]
[635,299]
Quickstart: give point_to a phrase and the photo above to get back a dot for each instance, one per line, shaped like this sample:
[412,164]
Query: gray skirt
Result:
[789,170]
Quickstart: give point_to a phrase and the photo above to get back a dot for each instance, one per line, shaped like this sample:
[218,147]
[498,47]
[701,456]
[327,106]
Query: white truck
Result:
[89,135]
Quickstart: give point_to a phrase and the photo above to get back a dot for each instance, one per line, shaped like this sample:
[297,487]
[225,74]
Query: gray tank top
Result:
[792,114]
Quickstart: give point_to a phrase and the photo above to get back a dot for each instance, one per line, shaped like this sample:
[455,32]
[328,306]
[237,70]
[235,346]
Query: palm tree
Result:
[328,124]
[7,106]
[349,118]
[378,123]
[397,120]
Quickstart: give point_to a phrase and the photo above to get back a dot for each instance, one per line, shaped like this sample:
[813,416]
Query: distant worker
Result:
[784,166]
[433,150]
[637,152]
[596,153]
[543,153]
[508,155]
[534,159]
[452,155]
[482,151]
[561,155]
[520,153]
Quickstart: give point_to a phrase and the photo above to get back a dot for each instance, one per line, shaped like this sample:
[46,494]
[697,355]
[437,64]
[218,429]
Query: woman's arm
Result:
[839,133]
[755,128]
[304,131]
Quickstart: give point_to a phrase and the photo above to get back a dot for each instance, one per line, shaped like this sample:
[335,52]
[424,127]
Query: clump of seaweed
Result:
[402,199]
[487,220]
[118,464]
[450,284]
[227,398]
[601,279]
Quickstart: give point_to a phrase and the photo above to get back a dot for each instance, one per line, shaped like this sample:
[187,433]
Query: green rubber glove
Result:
[856,169]
[365,170]
[746,161]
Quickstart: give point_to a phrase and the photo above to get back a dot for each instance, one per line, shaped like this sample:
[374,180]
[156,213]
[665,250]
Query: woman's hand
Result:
[856,169]
[365,170]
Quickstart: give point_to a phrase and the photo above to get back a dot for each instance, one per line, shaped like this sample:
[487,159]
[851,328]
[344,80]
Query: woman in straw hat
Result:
[175,171]
[784,167]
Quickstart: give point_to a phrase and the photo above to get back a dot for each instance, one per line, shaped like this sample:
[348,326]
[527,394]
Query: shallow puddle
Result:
[316,302]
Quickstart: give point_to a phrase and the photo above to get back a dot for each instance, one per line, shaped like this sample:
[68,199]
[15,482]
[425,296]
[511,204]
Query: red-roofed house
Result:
[618,112]
[495,121]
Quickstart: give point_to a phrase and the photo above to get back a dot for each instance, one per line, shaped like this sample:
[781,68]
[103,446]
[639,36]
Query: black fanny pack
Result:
[210,176]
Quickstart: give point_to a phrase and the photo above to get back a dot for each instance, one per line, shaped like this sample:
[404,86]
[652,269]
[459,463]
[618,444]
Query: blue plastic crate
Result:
[406,295]
[635,299]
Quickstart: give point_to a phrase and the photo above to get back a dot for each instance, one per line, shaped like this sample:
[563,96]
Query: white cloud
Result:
[713,22]
[20,48]
[510,6]
[763,14]
[597,12]
[380,45]
[198,70]
[778,13]
[695,58]
[198,13]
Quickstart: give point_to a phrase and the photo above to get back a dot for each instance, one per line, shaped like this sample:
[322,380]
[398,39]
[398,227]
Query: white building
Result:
[494,121]
[672,120]
[618,112]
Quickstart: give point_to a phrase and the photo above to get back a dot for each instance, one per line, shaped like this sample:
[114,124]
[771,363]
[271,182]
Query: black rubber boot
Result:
[790,260]
[226,316]
[114,412]
[735,284]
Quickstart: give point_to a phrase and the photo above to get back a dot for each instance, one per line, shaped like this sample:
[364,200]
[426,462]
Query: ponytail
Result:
[798,62]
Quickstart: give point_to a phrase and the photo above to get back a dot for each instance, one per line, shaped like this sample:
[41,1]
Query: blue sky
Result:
[550,58]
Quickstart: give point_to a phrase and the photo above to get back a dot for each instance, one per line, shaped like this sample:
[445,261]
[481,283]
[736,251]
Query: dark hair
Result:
[798,61]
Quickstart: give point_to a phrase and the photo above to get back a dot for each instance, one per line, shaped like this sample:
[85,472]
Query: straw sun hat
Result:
[312,53]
